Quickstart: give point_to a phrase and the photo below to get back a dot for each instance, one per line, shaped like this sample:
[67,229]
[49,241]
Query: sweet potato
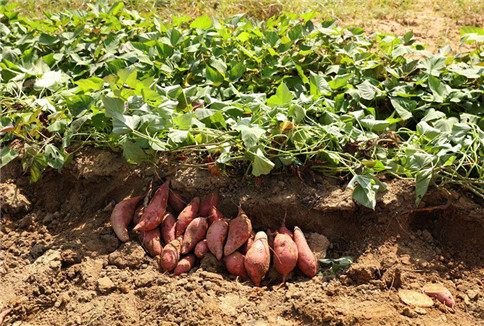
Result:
[176,201]
[216,235]
[137,214]
[240,229]
[186,216]
[285,254]
[151,241]
[235,264]
[214,215]
[258,259]
[122,215]
[248,244]
[154,212]
[170,255]
[285,230]
[306,261]
[440,293]
[207,203]
[185,264]
[201,248]
[195,232]
[168,228]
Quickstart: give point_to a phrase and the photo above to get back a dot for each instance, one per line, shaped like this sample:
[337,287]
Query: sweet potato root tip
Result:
[122,216]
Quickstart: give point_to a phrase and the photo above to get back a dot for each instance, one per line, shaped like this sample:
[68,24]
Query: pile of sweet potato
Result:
[200,228]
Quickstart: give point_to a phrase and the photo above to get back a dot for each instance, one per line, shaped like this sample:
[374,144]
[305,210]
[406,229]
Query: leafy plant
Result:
[285,92]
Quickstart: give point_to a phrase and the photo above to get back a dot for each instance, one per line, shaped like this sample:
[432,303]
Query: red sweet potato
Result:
[154,212]
[168,228]
[258,258]
[235,264]
[248,244]
[201,248]
[195,232]
[214,215]
[122,215]
[216,235]
[285,230]
[185,264]
[186,216]
[207,203]
[440,293]
[285,254]
[176,201]
[306,261]
[137,214]
[170,255]
[240,229]
[151,241]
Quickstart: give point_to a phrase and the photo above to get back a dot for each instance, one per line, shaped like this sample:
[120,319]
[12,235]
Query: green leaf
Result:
[438,89]
[261,164]
[404,107]
[202,22]
[365,188]
[90,84]
[7,155]
[282,97]
[367,91]
[251,135]
[133,152]
[214,76]
[422,181]
[55,158]
[339,81]
[51,80]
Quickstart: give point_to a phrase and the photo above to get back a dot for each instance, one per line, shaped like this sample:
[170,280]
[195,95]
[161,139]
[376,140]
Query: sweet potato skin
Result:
[186,216]
[216,236]
[285,254]
[154,212]
[151,241]
[214,215]
[185,264]
[201,248]
[176,201]
[170,255]
[306,260]
[195,232]
[207,203]
[257,260]
[168,228]
[122,216]
[240,229]
[234,263]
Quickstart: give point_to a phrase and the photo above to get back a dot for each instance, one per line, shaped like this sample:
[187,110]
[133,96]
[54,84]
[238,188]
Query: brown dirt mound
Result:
[60,262]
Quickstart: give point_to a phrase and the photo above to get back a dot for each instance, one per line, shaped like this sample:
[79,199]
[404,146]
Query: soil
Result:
[61,264]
